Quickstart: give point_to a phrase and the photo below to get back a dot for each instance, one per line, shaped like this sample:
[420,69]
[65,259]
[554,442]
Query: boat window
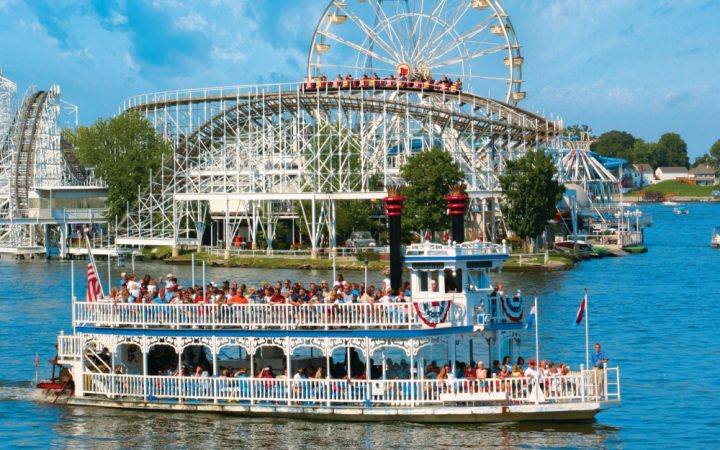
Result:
[453,282]
[429,280]
[475,280]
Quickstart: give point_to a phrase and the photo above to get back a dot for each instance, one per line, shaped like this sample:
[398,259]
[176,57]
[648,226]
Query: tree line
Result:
[669,150]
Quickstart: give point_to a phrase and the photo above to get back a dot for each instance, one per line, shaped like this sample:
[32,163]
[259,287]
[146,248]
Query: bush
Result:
[515,242]
[370,255]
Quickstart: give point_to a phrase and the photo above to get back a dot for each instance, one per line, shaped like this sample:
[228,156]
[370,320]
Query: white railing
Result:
[253,315]
[576,388]
[69,348]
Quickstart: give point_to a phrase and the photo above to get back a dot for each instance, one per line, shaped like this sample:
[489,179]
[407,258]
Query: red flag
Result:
[580,313]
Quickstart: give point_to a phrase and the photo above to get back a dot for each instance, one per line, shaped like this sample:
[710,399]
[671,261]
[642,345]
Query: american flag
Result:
[94,288]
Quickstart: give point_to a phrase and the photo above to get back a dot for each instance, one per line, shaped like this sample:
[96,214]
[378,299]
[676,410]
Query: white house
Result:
[638,176]
[670,173]
[704,175]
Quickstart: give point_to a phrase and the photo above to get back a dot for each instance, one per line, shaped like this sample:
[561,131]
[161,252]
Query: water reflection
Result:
[112,428]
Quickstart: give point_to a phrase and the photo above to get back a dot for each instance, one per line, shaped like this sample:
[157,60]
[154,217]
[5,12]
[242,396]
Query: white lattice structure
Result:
[42,185]
[246,154]
[247,145]
[577,165]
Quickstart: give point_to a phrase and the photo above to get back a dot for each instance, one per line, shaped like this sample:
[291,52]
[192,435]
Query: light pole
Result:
[366,269]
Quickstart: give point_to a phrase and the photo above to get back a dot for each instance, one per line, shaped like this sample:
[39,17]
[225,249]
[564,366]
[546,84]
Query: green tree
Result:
[123,151]
[671,150]
[531,194]
[614,144]
[355,215]
[714,152]
[428,175]
[642,153]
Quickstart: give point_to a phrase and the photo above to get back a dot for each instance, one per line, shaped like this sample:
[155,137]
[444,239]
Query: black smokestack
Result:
[393,209]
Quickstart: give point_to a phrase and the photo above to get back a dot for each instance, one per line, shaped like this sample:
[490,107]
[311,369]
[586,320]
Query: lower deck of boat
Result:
[559,412]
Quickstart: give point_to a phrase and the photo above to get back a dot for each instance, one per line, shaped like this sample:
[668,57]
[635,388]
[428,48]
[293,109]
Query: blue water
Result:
[655,314]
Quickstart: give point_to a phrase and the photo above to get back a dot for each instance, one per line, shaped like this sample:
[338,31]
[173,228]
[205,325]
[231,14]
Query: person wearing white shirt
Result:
[531,371]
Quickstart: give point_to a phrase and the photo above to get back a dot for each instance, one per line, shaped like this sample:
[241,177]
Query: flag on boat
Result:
[94,288]
[531,318]
[581,312]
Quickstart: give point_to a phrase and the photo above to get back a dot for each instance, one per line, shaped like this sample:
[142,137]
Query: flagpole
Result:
[537,333]
[537,351]
[587,334]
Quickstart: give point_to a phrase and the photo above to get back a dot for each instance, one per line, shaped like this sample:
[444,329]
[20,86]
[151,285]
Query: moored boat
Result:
[715,239]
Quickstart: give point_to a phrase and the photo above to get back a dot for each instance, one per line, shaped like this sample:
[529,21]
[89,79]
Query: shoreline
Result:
[556,262]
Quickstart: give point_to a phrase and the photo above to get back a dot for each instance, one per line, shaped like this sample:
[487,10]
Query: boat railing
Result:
[69,347]
[577,387]
[251,316]
[466,248]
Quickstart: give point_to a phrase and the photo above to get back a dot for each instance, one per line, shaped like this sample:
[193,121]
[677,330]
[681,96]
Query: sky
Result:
[643,66]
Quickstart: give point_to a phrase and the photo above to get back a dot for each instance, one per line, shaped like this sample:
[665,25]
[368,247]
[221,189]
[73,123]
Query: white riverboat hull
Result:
[559,412]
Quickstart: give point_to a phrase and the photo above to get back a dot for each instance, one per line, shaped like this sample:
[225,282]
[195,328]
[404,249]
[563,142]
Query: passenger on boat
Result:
[599,360]
[531,371]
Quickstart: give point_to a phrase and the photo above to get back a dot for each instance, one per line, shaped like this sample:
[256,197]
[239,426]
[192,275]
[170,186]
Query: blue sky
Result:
[642,66]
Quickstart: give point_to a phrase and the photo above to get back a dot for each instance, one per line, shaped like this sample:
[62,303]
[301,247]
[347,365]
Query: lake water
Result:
[656,316]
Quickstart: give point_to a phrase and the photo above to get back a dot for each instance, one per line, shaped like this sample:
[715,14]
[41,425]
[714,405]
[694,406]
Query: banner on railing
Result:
[434,313]
[513,308]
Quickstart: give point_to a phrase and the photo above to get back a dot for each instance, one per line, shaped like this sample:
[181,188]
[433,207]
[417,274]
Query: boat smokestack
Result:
[393,209]
[456,206]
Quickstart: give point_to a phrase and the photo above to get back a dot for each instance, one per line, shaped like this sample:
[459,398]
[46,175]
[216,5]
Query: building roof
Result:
[646,168]
[702,169]
[673,169]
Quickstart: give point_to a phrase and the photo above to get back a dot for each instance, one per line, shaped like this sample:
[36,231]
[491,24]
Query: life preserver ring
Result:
[513,308]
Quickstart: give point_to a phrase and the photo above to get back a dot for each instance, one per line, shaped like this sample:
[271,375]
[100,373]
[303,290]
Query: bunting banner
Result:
[513,308]
[433,314]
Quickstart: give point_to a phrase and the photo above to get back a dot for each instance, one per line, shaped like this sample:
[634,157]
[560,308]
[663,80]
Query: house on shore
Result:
[670,173]
[638,176]
[703,175]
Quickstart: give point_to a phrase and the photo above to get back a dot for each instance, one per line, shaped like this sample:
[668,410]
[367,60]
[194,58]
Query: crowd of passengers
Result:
[133,289]
[415,81]
[467,377]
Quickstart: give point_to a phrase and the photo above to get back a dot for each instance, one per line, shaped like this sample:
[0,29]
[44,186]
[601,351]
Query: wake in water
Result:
[13,391]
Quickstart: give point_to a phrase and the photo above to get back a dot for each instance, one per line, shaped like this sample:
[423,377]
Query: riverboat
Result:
[715,240]
[131,355]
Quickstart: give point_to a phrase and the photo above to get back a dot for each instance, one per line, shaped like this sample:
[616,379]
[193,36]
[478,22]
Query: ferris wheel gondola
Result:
[469,40]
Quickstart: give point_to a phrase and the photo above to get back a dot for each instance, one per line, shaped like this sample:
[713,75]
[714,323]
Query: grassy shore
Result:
[557,261]
[675,188]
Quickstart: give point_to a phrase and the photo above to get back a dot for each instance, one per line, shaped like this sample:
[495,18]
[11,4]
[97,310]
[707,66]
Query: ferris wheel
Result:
[472,40]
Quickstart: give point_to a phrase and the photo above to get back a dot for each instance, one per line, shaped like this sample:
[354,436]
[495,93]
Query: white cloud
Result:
[31,26]
[622,96]
[82,54]
[130,62]
[191,22]
[228,54]
[117,19]
[572,94]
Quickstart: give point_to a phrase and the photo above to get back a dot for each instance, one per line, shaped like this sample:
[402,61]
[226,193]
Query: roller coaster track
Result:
[25,137]
[508,122]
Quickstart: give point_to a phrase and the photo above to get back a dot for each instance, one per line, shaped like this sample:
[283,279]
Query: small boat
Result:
[670,203]
[682,209]
[580,248]
[715,241]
